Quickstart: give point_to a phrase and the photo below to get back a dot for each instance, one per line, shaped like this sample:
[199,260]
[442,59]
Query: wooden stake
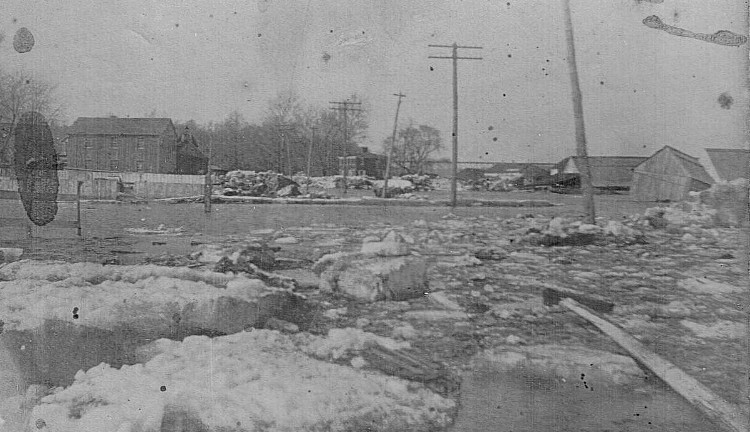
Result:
[79,186]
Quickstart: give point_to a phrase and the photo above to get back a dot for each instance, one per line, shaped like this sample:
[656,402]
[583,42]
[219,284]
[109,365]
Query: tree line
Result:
[291,135]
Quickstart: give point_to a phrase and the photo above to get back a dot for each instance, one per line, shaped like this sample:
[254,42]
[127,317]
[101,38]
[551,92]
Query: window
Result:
[140,143]
[114,165]
[114,144]
[139,166]
[87,143]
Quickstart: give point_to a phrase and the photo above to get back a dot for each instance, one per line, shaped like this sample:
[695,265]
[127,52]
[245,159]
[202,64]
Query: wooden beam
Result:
[731,417]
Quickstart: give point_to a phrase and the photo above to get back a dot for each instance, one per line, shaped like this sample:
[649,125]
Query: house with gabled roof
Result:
[129,145]
[730,164]
[669,175]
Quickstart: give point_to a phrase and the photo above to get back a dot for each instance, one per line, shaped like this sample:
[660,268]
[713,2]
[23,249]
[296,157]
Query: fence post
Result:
[78,207]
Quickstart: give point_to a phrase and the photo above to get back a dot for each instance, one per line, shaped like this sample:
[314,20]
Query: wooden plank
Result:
[552,296]
[733,418]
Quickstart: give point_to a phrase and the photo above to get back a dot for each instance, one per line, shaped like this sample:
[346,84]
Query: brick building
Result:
[131,145]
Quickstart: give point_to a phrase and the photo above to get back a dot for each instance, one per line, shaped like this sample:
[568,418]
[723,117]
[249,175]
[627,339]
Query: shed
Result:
[533,175]
[730,164]
[607,172]
[470,174]
[668,175]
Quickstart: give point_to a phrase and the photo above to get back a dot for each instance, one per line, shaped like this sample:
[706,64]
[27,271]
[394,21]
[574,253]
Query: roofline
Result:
[694,159]
[110,134]
[727,150]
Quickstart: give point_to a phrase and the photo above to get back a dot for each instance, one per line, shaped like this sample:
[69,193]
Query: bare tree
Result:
[414,146]
[20,92]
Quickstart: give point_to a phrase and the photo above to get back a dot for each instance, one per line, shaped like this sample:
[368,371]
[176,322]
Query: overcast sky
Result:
[200,59]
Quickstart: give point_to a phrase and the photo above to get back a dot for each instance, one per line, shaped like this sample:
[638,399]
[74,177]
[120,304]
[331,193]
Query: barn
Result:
[607,172]
[669,175]
[730,164]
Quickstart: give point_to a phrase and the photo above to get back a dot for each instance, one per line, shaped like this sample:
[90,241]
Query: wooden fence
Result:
[102,185]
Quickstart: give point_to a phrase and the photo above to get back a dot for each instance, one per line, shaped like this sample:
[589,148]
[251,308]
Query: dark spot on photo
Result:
[490,127]
[23,41]
[494,139]
[163,388]
[725,100]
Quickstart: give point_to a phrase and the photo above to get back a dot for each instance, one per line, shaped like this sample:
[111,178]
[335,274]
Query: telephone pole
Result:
[344,108]
[393,144]
[209,186]
[284,130]
[455,58]
[309,155]
[581,150]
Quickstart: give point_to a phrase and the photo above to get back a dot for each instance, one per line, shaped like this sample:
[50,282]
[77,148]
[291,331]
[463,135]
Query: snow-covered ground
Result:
[250,381]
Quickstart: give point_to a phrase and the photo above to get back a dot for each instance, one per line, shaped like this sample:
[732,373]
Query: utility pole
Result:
[285,129]
[309,155]
[584,168]
[209,180]
[393,144]
[455,47]
[344,108]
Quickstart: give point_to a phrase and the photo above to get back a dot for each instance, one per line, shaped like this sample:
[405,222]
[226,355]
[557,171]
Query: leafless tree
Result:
[414,146]
[20,92]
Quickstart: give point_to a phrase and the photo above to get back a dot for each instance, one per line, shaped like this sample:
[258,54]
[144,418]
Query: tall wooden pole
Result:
[78,207]
[581,150]
[345,150]
[209,184]
[389,155]
[309,156]
[454,167]
[345,108]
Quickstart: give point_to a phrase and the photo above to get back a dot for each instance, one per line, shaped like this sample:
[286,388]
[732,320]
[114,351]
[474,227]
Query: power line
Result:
[454,56]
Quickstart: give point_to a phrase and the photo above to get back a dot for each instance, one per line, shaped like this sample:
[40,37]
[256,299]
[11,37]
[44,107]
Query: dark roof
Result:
[470,174]
[120,126]
[608,171]
[186,145]
[507,167]
[730,164]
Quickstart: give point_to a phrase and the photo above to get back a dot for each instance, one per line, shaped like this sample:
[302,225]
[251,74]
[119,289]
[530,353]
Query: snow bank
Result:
[724,204]
[343,341]
[107,296]
[248,381]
